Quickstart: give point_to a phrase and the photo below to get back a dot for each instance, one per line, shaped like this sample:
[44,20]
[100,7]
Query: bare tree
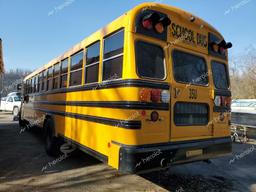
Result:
[243,75]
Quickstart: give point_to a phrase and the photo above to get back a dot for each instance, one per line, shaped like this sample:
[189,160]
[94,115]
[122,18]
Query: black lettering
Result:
[201,40]
[192,94]
[184,34]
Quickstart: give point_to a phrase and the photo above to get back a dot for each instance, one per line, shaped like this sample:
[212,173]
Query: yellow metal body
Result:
[106,139]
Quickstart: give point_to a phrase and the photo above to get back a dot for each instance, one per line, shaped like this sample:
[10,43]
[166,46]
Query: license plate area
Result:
[194,153]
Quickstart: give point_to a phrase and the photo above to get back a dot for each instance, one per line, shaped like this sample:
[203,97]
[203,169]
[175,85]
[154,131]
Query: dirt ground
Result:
[24,166]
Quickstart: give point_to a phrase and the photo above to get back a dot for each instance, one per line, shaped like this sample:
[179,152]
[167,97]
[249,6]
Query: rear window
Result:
[220,75]
[150,60]
[189,68]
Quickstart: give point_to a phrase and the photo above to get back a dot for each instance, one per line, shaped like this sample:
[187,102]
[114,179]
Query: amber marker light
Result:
[145,95]
[159,27]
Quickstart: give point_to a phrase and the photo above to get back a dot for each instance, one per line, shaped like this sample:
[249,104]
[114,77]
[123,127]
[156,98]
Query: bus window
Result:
[49,79]
[150,60]
[30,86]
[33,84]
[189,68]
[44,78]
[220,75]
[92,63]
[40,81]
[56,77]
[113,56]
[26,87]
[76,69]
[64,73]
[36,83]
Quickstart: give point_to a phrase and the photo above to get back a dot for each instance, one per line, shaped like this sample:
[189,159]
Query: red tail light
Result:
[155,95]
[222,51]
[150,95]
[147,24]
[226,101]
[149,20]
[220,47]
[154,20]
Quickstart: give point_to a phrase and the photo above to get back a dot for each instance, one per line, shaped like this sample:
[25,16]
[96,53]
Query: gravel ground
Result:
[23,158]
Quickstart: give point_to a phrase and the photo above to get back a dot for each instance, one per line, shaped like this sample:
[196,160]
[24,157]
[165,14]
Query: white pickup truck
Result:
[11,103]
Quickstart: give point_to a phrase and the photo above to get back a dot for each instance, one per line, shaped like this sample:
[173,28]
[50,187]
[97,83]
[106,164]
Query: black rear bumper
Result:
[134,159]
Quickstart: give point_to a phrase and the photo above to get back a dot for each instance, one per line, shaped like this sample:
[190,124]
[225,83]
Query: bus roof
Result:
[123,19]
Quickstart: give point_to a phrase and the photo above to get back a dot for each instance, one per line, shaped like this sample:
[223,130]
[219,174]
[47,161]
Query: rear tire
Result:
[21,122]
[52,143]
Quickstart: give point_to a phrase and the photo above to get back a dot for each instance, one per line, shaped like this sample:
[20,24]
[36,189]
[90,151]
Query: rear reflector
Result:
[154,116]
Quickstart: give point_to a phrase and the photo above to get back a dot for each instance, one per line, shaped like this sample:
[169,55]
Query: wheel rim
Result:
[15,111]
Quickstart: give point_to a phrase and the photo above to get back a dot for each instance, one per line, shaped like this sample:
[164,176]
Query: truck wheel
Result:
[15,111]
[52,143]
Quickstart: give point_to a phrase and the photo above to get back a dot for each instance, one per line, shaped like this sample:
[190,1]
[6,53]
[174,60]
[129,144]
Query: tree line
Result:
[10,80]
[242,70]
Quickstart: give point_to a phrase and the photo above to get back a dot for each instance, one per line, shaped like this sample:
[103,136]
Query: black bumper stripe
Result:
[107,121]
[136,159]
[113,104]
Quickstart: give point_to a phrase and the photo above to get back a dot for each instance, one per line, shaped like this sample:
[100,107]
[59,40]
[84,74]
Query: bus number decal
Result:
[192,94]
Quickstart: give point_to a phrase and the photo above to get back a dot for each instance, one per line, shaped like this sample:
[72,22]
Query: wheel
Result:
[52,143]
[233,139]
[15,111]
[22,123]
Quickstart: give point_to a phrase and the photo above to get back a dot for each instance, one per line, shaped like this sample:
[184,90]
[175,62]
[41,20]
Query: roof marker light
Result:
[154,20]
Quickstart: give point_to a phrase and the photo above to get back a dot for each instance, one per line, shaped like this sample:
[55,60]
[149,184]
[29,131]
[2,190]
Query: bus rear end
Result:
[186,60]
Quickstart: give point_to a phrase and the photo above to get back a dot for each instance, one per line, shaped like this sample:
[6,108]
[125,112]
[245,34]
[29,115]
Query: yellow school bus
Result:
[149,90]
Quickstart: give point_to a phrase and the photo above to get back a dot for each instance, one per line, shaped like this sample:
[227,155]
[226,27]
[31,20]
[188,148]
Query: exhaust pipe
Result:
[163,163]
[208,161]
